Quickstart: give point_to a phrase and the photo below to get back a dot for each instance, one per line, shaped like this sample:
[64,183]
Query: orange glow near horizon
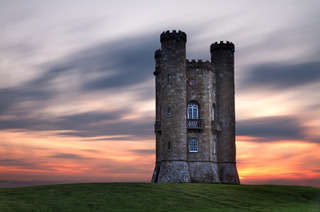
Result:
[45,156]
[270,162]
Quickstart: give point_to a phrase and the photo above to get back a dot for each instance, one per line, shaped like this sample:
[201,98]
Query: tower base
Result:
[185,172]
[171,172]
[228,173]
[156,173]
[204,172]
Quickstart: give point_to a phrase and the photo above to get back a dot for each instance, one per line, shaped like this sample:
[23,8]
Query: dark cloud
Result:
[11,97]
[88,118]
[23,164]
[92,125]
[144,151]
[281,76]
[91,150]
[130,137]
[69,156]
[89,124]
[132,64]
[120,64]
[271,128]
[132,128]
[16,162]
[314,107]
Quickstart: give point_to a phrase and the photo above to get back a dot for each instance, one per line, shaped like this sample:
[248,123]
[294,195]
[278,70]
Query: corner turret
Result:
[222,57]
[195,118]
[171,107]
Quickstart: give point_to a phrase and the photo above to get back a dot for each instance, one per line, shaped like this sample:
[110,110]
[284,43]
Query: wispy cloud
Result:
[69,156]
[281,76]
[271,128]
[144,151]
[84,82]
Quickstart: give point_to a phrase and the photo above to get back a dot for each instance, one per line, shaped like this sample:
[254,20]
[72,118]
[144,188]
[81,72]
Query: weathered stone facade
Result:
[195,116]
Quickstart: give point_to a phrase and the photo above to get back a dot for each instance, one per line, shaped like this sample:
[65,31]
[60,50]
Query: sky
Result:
[77,99]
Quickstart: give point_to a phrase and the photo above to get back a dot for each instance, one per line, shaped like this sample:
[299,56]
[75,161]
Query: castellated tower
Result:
[195,116]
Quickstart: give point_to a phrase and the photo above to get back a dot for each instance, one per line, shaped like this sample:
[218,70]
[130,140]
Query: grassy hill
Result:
[159,197]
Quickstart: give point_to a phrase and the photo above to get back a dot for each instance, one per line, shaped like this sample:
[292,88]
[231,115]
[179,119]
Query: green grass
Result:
[160,197]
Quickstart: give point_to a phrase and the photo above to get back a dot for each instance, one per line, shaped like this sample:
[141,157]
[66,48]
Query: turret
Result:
[157,125]
[222,57]
[171,106]
[173,46]
[173,36]
[195,114]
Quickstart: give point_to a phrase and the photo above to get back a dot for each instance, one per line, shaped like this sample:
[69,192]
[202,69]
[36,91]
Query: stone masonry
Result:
[195,114]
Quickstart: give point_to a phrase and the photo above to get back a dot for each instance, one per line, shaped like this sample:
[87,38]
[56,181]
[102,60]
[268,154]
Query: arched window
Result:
[193,111]
[193,145]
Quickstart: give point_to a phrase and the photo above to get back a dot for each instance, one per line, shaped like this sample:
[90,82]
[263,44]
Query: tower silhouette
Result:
[195,115]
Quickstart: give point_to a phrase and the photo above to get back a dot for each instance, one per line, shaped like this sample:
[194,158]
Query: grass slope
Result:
[159,197]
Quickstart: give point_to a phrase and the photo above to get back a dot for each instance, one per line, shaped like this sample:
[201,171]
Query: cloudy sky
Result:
[77,89]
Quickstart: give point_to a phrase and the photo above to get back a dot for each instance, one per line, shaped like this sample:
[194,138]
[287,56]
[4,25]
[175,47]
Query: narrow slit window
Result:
[169,111]
[169,79]
[169,146]
[212,113]
[193,145]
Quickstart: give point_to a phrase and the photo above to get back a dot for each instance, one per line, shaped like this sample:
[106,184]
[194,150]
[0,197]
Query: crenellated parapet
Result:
[173,35]
[199,64]
[195,113]
[222,46]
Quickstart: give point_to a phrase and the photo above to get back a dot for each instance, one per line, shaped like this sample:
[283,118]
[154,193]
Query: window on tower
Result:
[193,111]
[193,145]
[192,82]
[169,111]
[212,113]
[169,79]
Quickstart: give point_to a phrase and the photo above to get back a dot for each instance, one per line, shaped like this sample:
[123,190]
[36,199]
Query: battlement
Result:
[157,54]
[200,64]
[195,113]
[173,35]
[222,45]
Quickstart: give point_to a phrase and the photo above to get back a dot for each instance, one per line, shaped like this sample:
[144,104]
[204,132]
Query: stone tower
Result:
[195,115]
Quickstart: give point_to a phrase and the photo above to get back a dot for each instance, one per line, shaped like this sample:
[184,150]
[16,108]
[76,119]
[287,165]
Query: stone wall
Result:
[171,80]
[222,57]
[208,84]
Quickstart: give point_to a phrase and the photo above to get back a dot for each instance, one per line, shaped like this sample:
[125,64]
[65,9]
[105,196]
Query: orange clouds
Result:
[46,157]
[282,162]
[43,156]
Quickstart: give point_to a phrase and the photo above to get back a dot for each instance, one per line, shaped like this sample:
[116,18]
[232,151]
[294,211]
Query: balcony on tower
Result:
[194,124]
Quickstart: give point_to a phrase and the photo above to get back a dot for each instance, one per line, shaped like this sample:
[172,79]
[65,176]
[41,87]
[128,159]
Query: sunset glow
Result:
[77,92]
